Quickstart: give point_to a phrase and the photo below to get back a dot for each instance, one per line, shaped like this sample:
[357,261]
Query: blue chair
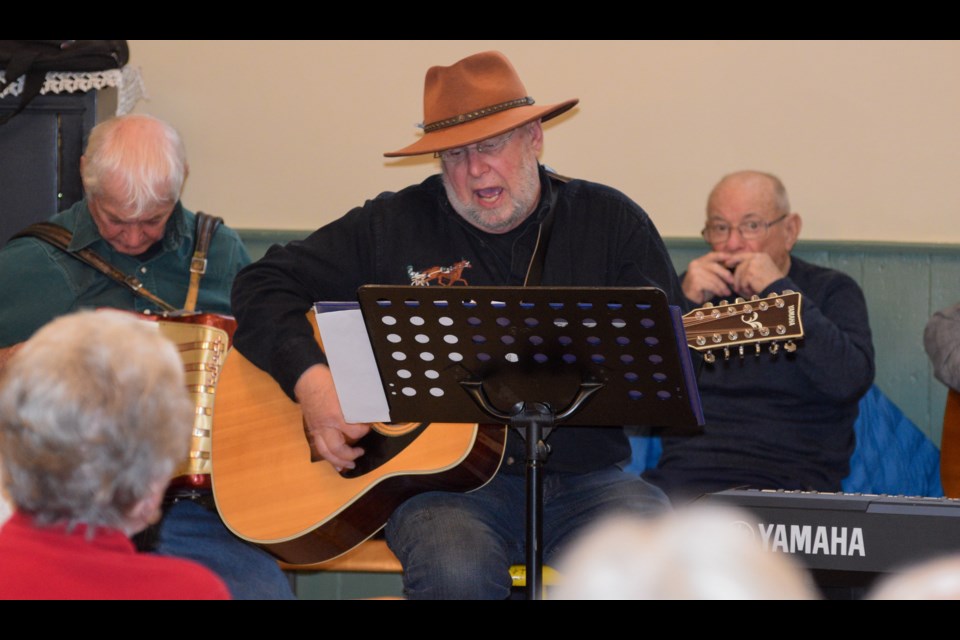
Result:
[892,456]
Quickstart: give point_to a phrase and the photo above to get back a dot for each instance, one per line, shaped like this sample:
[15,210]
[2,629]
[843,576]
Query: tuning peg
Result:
[741,352]
[726,353]
[709,357]
[787,292]
[781,329]
[708,305]
[757,352]
[700,340]
[723,303]
[739,300]
[790,346]
[774,347]
[754,298]
[732,335]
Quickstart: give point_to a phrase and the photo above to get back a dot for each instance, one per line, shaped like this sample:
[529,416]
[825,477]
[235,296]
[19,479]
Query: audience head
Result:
[693,553]
[94,416]
[935,579]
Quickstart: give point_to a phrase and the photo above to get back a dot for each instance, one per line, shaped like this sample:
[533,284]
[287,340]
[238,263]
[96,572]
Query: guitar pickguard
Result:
[380,449]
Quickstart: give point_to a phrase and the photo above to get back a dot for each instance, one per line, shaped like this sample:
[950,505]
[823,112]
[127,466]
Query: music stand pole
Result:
[534,421]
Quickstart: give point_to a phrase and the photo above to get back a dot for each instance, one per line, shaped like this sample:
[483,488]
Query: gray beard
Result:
[524,203]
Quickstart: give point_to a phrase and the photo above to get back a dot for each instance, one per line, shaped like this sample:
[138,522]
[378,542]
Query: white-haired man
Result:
[133,172]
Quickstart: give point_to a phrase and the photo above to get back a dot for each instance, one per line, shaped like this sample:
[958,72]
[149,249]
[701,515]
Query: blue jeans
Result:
[191,531]
[461,545]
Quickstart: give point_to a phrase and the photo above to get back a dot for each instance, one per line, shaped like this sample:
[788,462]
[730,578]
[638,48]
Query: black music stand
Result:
[532,358]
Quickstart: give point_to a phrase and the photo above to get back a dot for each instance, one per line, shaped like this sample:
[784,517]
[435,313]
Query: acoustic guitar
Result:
[272,490]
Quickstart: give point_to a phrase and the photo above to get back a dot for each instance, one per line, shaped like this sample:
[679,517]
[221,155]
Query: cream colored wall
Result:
[865,134]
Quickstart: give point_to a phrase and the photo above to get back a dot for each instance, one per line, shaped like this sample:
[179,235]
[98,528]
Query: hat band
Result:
[479,113]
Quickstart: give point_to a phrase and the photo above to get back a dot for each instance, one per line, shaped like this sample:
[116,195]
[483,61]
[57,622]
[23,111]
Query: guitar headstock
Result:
[773,319]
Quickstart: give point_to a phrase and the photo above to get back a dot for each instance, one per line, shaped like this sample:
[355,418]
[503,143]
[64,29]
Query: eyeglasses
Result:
[748,230]
[490,148]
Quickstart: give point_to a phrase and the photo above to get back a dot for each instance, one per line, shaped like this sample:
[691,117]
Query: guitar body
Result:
[270,491]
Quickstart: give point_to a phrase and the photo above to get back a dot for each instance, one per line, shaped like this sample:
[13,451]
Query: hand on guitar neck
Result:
[330,436]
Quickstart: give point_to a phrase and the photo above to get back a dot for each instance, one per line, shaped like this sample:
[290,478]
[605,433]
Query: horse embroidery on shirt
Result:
[444,276]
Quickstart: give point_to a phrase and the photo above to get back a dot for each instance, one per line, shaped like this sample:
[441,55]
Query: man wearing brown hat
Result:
[494,216]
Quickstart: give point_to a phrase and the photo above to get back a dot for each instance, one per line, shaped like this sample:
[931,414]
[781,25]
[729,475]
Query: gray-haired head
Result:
[94,415]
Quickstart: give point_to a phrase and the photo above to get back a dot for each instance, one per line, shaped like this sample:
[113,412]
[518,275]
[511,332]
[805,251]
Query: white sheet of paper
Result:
[350,358]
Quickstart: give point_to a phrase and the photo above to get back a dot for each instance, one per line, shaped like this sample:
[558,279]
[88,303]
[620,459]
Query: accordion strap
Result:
[60,238]
[207,225]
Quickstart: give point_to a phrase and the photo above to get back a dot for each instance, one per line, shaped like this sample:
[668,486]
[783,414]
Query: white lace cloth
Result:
[127,80]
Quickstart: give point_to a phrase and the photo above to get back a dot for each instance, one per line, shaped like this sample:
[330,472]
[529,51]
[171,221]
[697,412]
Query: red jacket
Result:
[48,563]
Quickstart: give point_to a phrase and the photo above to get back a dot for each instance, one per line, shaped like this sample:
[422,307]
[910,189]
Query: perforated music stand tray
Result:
[532,357]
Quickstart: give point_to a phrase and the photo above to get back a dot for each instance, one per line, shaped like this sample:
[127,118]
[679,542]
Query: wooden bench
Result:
[372,556]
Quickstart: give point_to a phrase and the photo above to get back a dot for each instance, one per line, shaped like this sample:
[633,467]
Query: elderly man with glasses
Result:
[779,420]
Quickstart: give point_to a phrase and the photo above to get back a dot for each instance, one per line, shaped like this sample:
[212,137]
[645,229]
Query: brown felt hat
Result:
[476,98]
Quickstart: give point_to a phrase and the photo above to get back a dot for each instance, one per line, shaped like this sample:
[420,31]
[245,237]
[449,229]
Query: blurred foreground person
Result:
[936,579]
[693,553]
[94,417]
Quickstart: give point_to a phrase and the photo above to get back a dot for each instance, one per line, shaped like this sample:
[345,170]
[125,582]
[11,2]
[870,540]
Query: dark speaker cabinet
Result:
[40,151]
